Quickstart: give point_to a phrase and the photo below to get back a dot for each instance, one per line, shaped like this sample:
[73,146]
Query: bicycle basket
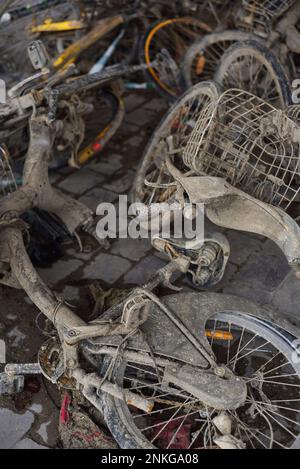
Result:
[7,180]
[258,15]
[254,146]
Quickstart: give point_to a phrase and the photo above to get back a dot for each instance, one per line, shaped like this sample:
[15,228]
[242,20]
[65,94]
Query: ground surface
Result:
[257,270]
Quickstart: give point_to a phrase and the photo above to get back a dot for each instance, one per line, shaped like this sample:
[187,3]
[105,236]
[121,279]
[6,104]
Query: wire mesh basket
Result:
[254,146]
[8,182]
[259,15]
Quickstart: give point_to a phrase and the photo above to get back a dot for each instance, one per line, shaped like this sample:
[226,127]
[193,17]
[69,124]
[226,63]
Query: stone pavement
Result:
[257,269]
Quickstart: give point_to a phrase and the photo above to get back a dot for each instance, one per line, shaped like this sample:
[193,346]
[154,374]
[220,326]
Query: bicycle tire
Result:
[265,58]
[238,313]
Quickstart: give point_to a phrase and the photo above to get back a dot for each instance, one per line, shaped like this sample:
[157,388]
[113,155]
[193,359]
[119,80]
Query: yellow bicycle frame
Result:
[50,26]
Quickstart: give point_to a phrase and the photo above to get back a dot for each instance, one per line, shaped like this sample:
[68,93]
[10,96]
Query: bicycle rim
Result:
[174,35]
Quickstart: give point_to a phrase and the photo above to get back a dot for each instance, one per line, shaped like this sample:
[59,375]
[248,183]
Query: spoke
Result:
[247,435]
[282,376]
[176,433]
[234,414]
[198,432]
[279,423]
[240,350]
[280,383]
[251,351]
[167,423]
[228,345]
[269,411]
[239,347]
[270,361]
[272,405]
[259,432]
[285,400]
[277,367]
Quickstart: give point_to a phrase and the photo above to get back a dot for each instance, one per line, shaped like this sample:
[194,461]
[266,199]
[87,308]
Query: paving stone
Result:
[141,117]
[81,181]
[143,271]
[133,101]
[242,246]
[135,141]
[122,185]
[107,165]
[17,337]
[59,271]
[264,271]
[28,444]
[286,299]
[156,105]
[107,267]
[132,249]
[97,196]
[13,427]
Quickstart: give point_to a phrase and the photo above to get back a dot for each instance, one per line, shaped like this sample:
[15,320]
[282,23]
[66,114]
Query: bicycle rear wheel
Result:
[256,350]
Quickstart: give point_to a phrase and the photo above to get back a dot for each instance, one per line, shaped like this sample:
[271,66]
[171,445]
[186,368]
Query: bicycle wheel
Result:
[256,350]
[153,183]
[250,66]
[202,58]
[173,37]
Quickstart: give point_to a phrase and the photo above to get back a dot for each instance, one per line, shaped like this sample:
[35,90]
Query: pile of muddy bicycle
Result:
[185,370]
